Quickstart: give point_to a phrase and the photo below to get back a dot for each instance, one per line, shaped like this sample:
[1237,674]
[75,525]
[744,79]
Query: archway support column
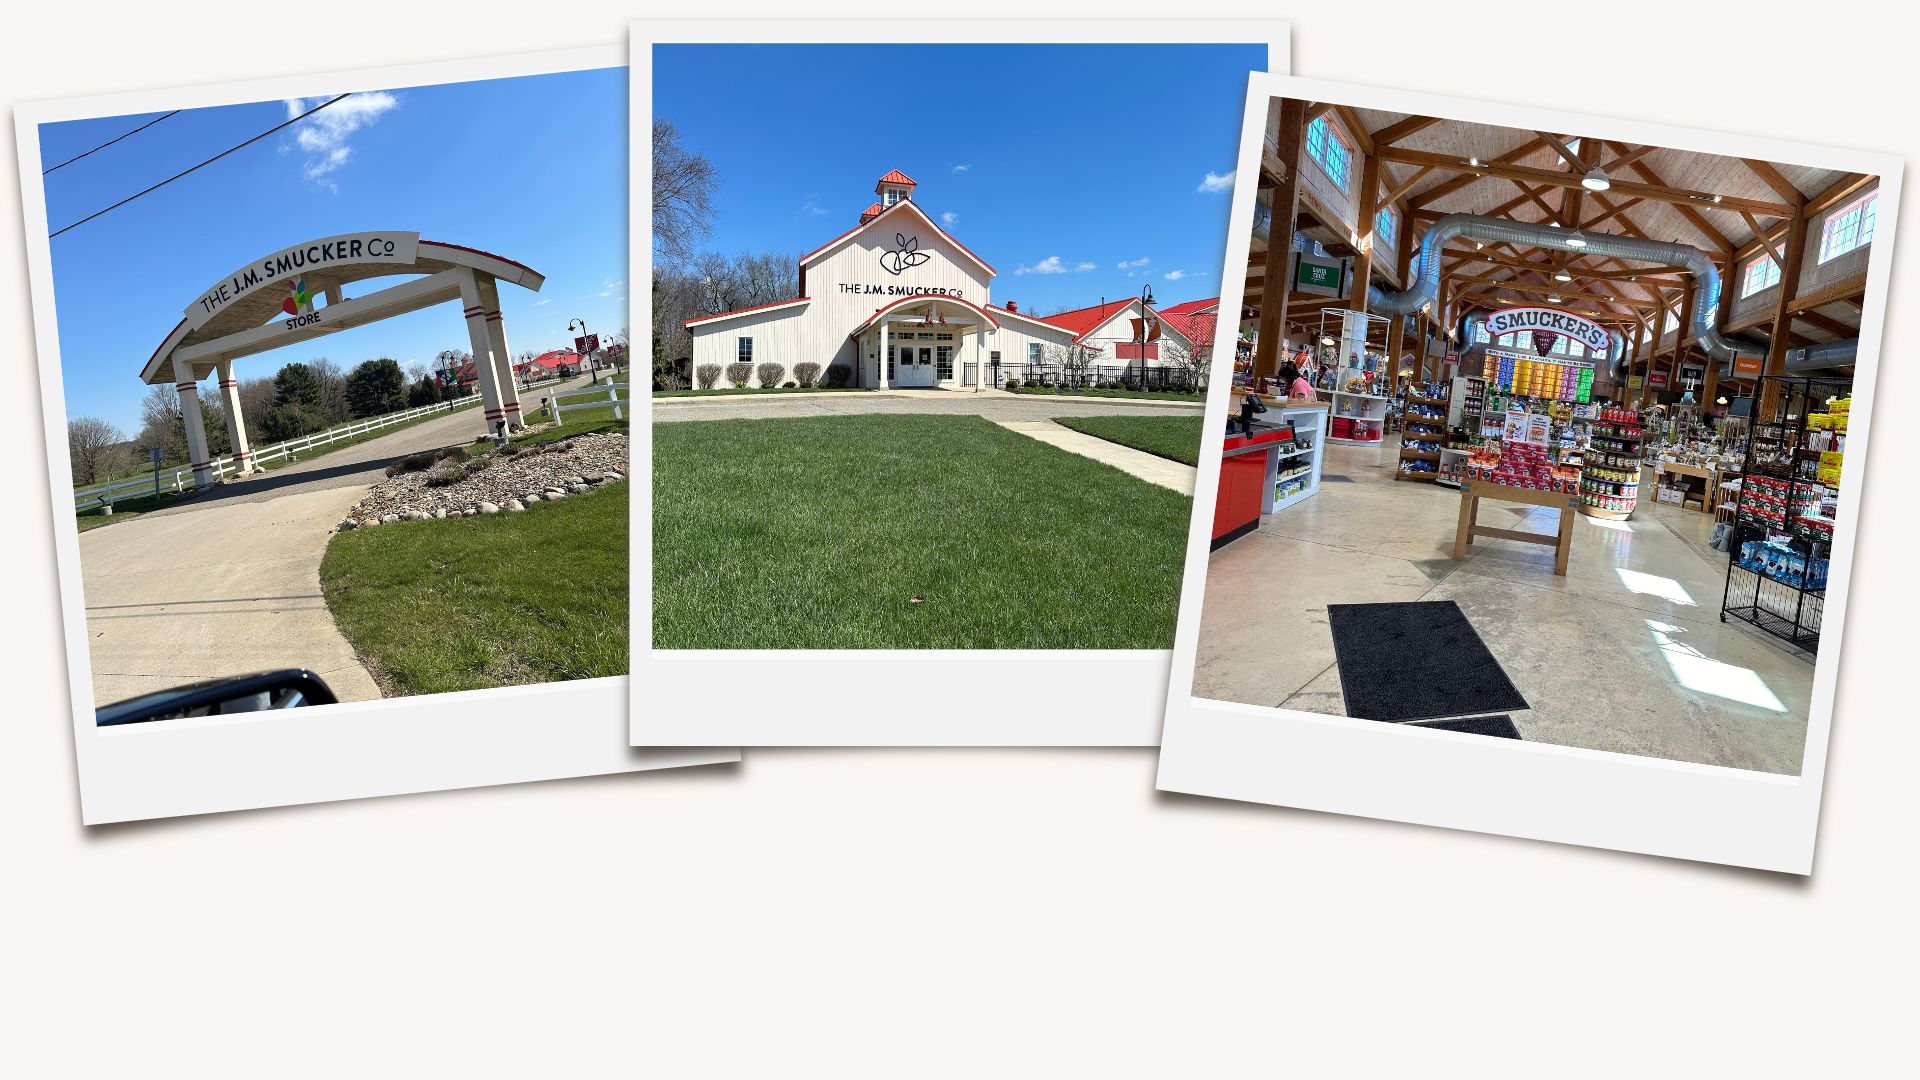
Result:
[236,422]
[883,354]
[502,359]
[194,423]
[482,345]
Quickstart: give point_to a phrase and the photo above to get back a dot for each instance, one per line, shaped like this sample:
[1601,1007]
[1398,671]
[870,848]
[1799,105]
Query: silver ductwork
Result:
[1426,276]
[1826,356]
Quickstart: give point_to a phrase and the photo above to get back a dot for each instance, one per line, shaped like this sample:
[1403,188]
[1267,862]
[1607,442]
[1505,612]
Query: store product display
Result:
[1425,431]
[1781,532]
[1611,484]
[1540,378]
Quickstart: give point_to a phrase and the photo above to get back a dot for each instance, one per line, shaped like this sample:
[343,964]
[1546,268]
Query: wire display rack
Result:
[1782,524]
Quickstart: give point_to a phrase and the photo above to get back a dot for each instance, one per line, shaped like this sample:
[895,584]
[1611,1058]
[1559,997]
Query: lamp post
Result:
[1146,303]
[591,366]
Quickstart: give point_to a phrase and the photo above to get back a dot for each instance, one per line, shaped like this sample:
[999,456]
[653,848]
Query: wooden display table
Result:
[1708,491]
[1472,491]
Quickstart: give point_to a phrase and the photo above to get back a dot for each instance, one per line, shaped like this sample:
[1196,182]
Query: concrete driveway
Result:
[229,583]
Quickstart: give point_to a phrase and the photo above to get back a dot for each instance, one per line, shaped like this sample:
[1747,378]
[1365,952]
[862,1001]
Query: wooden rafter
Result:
[1653,188]
[1393,133]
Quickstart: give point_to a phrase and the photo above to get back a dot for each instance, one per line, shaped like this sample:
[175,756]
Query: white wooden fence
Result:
[600,397]
[180,478]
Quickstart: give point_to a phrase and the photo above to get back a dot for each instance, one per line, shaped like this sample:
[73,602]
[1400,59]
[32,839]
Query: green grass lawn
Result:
[1173,437]
[818,533]
[722,390]
[579,422]
[1154,395]
[499,600]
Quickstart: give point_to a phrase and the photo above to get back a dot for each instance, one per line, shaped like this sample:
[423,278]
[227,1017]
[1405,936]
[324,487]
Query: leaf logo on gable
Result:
[907,254]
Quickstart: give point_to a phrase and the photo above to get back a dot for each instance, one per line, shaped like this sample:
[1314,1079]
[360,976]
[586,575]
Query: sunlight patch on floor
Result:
[1703,674]
[1653,585]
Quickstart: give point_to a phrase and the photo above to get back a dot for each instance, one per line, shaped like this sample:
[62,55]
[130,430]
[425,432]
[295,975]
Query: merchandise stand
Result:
[1472,491]
[1365,417]
[1782,529]
[1419,430]
[1610,482]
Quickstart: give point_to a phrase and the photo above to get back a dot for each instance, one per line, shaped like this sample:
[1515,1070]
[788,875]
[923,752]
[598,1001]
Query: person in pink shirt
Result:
[1297,386]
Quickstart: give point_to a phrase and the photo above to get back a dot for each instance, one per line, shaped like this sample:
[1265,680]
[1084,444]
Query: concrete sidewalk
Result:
[229,589]
[1137,463]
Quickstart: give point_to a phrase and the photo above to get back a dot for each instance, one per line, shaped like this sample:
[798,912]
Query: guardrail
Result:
[180,477]
[611,391]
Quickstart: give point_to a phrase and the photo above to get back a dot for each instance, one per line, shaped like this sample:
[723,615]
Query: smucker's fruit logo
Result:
[299,301]
[908,254]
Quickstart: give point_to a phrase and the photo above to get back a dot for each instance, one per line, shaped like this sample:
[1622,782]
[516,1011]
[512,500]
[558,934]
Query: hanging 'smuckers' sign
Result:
[289,264]
[1549,320]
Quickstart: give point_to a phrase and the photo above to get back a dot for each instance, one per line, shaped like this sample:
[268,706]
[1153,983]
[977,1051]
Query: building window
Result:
[892,196]
[1383,225]
[943,362]
[744,350]
[1480,334]
[1762,273]
[1033,352]
[1325,147]
[943,337]
[1850,227]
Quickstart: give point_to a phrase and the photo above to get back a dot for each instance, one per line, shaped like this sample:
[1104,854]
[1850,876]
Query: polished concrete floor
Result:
[1626,653]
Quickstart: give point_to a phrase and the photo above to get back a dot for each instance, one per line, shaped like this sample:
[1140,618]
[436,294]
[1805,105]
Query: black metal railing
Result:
[1063,377]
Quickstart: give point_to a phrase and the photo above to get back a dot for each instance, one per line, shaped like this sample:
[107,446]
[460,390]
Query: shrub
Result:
[839,375]
[739,373]
[708,375]
[510,449]
[807,373]
[770,374]
[413,463]
[445,476]
[790,385]
[1013,384]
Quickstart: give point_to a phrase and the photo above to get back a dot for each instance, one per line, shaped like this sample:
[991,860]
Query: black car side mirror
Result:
[288,688]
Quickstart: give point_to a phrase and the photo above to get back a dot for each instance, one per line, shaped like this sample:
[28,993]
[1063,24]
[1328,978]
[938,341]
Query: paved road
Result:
[229,583]
[358,466]
[996,405]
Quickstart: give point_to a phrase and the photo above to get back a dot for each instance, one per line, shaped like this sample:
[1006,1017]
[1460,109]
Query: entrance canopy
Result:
[248,312]
[932,310]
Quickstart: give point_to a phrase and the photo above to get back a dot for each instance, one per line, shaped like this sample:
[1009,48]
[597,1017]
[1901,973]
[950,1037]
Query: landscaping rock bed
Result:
[452,484]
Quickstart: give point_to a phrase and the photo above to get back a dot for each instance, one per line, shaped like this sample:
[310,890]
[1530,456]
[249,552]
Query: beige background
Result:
[962,913]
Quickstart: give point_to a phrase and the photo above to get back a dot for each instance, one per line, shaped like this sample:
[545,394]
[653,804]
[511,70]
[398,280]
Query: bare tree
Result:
[96,449]
[1185,365]
[683,185]
[1073,359]
[333,390]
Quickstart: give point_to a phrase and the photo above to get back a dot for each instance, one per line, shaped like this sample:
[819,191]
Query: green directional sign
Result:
[1313,276]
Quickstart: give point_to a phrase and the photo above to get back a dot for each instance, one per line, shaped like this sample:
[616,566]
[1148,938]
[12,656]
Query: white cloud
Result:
[1134,264]
[608,287]
[542,301]
[1216,182]
[813,208]
[325,136]
[961,168]
[949,218]
[1054,264]
[1175,275]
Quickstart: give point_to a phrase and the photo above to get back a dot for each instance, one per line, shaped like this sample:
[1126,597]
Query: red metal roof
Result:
[555,359]
[896,177]
[1191,307]
[1083,320]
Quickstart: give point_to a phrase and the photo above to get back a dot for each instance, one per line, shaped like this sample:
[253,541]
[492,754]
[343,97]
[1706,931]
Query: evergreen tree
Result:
[376,387]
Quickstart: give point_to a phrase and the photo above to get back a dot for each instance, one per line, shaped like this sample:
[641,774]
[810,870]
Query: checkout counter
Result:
[1266,471]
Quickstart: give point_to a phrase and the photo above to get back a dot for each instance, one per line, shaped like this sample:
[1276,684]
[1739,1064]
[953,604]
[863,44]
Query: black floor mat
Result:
[1416,661]
[1499,727]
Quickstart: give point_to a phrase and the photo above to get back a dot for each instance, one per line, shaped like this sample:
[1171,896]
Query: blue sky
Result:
[1076,171]
[533,168]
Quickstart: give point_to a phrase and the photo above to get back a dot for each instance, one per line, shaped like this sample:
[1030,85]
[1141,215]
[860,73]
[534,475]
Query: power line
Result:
[202,165]
[111,141]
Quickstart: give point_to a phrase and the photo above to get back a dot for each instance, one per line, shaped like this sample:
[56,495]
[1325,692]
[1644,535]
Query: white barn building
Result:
[897,302]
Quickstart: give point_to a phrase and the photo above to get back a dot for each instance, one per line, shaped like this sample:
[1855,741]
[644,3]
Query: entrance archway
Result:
[275,301]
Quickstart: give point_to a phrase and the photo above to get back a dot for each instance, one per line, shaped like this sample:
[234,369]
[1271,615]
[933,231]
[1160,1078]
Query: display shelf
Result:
[1613,437]
[1782,535]
[1426,395]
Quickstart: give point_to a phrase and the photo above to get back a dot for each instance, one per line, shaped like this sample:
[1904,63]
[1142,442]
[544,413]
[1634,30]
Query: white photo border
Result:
[903,697]
[346,751]
[1564,794]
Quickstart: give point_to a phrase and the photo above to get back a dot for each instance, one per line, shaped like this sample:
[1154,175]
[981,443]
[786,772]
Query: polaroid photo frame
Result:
[1562,793]
[888,697]
[341,751]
